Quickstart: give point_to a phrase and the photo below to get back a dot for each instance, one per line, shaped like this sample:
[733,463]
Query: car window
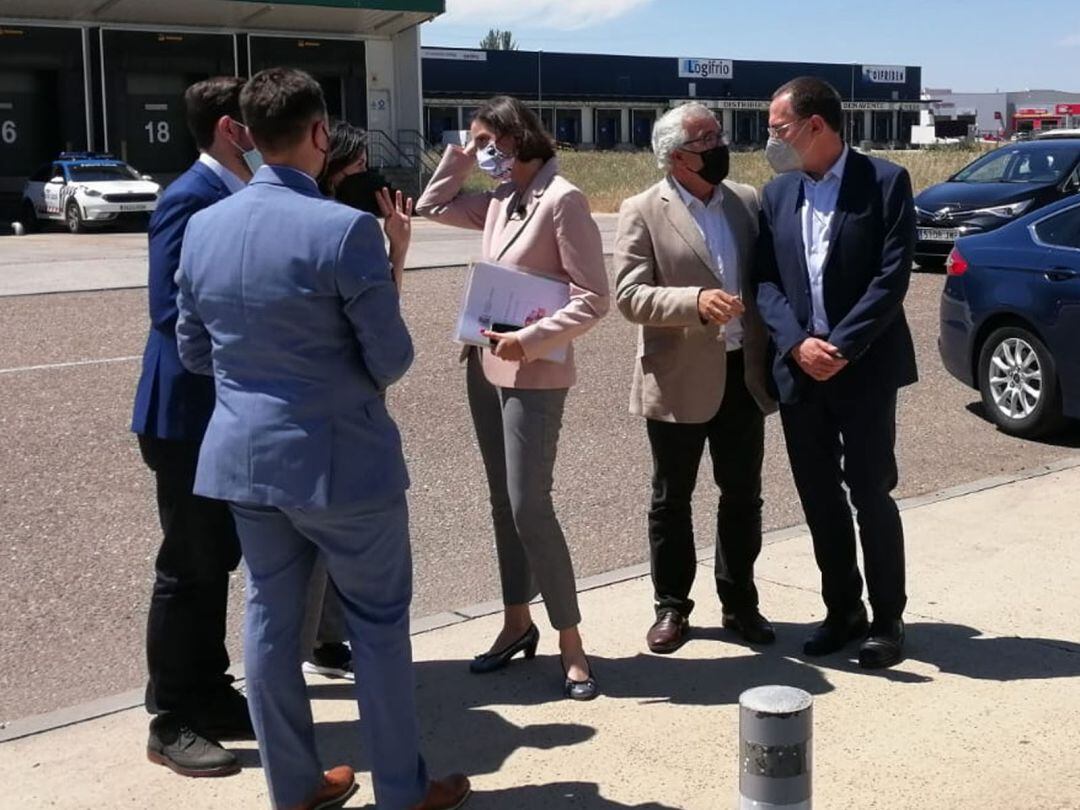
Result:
[1062,229]
[57,171]
[93,173]
[1041,163]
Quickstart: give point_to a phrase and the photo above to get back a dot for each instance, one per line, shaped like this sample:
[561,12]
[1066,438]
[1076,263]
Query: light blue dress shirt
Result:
[231,181]
[715,230]
[818,214]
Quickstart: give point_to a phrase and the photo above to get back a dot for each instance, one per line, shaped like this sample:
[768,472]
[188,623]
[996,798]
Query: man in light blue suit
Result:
[287,299]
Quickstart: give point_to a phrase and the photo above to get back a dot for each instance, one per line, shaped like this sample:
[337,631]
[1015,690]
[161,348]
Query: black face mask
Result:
[715,164]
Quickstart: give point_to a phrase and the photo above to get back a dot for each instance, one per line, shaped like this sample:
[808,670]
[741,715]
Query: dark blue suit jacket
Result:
[865,279]
[170,401]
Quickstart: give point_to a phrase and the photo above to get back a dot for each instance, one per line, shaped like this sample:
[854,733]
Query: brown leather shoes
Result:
[338,784]
[668,632]
[446,794]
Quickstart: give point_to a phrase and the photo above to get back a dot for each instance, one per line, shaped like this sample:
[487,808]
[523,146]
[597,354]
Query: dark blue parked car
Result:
[994,190]
[1010,318]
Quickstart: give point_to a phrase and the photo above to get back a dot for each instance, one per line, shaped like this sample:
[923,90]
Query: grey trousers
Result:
[518,433]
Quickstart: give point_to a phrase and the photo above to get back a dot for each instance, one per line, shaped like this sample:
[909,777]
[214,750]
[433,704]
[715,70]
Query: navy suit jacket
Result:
[866,277]
[287,298]
[170,401]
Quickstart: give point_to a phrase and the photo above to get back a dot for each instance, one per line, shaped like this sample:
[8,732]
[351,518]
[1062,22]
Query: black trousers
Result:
[185,631]
[736,437]
[833,441]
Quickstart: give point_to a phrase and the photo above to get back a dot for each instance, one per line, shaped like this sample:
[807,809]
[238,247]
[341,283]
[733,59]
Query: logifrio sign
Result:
[885,74]
[704,68]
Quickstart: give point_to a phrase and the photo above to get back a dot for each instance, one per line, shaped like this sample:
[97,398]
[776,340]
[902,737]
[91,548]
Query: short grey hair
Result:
[669,131]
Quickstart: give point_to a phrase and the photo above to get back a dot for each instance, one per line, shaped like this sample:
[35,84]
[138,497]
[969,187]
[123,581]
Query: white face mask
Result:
[494,163]
[782,156]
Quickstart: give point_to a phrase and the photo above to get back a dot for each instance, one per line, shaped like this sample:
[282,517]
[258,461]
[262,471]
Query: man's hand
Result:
[718,306]
[507,345]
[818,358]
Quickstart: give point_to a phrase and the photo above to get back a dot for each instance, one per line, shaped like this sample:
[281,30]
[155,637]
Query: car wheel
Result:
[28,217]
[73,218]
[1018,382]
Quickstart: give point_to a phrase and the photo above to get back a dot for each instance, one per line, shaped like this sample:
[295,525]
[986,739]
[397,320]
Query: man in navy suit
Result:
[188,689]
[288,300]
[834,261]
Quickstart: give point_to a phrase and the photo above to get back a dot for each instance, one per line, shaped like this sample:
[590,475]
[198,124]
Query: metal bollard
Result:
[775,733]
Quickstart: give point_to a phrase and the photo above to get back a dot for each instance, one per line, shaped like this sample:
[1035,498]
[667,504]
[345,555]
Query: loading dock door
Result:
[338,65]
[643,125]
[146,74]
[42,97]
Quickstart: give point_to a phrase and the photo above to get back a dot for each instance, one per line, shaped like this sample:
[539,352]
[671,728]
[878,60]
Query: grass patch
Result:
[608,178]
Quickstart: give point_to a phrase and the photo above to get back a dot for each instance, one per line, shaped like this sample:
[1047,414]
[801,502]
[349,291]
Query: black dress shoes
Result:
[751,625]
[834,634]
[174,744]
[885,645]
[491,661]
[222,715]
[668,632]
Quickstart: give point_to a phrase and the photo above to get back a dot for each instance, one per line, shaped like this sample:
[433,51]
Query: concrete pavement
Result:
[61,262]
[982,714]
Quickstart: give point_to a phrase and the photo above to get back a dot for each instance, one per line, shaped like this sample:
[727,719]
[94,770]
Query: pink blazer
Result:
[548,230]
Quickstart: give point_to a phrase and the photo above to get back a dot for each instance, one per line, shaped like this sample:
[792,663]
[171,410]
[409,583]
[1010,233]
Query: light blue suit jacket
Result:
[287,298]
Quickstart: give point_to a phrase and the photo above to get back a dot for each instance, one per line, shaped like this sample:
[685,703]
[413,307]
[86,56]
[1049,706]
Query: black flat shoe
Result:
[580,690]
[491,661]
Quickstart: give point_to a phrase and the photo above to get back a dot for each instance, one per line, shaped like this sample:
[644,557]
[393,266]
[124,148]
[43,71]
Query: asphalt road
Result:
[78,528]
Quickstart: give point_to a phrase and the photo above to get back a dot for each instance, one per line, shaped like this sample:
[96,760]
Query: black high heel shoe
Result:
[491,661]
[580,690]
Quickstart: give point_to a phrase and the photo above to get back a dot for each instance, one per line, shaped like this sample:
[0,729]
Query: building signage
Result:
[690,68]
[885,74]
[851,106]
[1068,109]
[455,55]
[1033,111]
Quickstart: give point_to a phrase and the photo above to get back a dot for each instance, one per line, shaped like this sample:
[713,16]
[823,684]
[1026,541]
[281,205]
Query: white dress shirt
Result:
[818,213]
[231,181]
[720,242]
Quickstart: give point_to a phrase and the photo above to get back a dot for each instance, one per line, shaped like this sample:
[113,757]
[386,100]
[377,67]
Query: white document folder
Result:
[497,294]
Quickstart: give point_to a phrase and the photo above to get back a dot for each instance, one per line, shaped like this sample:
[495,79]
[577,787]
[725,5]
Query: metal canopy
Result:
[371,17]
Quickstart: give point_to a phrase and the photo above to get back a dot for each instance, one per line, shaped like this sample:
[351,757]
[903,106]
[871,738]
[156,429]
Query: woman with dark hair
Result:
[347,156]
[324,624]
[535,220]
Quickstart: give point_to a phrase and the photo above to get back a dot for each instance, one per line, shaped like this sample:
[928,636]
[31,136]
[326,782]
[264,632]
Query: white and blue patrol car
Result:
[82,189]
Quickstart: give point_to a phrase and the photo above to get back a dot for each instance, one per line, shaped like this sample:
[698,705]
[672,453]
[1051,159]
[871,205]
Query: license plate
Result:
[134,207]
[939,234]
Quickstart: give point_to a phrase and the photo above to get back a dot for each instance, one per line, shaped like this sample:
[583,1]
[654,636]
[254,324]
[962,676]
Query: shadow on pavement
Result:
[956,649]
[1069,436]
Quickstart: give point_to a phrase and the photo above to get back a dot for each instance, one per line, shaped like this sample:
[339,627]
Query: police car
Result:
[82,189]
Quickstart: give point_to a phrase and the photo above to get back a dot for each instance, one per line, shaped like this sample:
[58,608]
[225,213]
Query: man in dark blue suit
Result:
[188,689]
[834,262]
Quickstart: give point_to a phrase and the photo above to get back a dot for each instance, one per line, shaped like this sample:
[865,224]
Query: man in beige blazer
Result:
[683,256]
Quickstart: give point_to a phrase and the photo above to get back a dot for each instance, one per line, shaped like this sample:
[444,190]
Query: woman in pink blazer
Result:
[537,221]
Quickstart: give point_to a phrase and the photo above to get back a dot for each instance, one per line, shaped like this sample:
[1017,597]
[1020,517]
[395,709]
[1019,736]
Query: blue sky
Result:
[966,45]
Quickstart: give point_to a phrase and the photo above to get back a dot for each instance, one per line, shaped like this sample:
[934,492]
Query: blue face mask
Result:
[494,163]
[254,160]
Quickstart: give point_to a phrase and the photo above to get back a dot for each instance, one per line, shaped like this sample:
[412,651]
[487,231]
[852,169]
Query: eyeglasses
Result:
[777,131]
[708,141]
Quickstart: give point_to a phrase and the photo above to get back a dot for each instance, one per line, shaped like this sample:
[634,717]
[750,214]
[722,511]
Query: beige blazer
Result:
[548,230]
[662,263]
